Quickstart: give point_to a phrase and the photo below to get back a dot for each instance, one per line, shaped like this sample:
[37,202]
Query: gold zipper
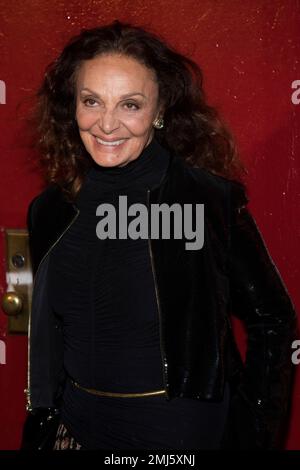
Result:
[27,390]
[163,357]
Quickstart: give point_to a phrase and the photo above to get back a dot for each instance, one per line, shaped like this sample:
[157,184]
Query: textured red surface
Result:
[249,53]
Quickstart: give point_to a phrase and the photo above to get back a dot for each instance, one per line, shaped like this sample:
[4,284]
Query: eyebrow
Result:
[122,97]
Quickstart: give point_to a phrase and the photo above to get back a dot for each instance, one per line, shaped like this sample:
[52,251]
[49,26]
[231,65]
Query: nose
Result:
[107,122]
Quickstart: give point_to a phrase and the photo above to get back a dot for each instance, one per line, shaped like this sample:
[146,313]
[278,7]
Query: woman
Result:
[130,339]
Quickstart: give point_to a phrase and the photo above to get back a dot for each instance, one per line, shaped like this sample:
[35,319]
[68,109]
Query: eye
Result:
[89,99]
[131,106]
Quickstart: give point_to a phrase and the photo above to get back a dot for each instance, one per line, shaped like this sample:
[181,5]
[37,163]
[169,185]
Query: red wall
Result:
[249,53]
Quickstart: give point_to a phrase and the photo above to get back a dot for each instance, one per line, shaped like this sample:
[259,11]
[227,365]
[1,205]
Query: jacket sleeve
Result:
[260,299]
[41,423]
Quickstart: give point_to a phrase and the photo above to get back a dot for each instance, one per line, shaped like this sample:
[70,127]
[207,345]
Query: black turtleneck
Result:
[104,290]
[104,293]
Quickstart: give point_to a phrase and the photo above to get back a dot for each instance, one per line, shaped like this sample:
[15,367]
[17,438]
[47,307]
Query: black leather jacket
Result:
[197,290]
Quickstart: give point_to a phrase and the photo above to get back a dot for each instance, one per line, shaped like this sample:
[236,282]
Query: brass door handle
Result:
[16,297]
[12,303]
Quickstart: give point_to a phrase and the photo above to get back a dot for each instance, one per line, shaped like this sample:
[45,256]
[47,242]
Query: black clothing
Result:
[197,290]
[143,422]
[103,289]
[104,293]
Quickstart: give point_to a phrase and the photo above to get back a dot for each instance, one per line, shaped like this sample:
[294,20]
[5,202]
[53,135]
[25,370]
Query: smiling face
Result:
[116,103]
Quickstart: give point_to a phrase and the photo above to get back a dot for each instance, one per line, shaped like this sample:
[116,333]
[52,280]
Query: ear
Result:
[160,109]
[159,114]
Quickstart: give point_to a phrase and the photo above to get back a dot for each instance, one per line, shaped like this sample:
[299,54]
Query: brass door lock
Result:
[16,302]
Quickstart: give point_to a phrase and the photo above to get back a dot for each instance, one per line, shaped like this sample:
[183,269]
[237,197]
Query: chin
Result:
[109,161]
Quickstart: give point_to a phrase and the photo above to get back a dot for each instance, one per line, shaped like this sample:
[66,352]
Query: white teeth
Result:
[116,142]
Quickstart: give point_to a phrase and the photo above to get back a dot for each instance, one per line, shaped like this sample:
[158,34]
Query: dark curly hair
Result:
[193,129]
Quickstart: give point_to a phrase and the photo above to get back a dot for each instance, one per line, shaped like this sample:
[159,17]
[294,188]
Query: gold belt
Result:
[115,394]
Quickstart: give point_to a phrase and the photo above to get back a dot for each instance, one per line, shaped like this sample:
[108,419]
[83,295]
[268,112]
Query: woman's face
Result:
[116,104]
